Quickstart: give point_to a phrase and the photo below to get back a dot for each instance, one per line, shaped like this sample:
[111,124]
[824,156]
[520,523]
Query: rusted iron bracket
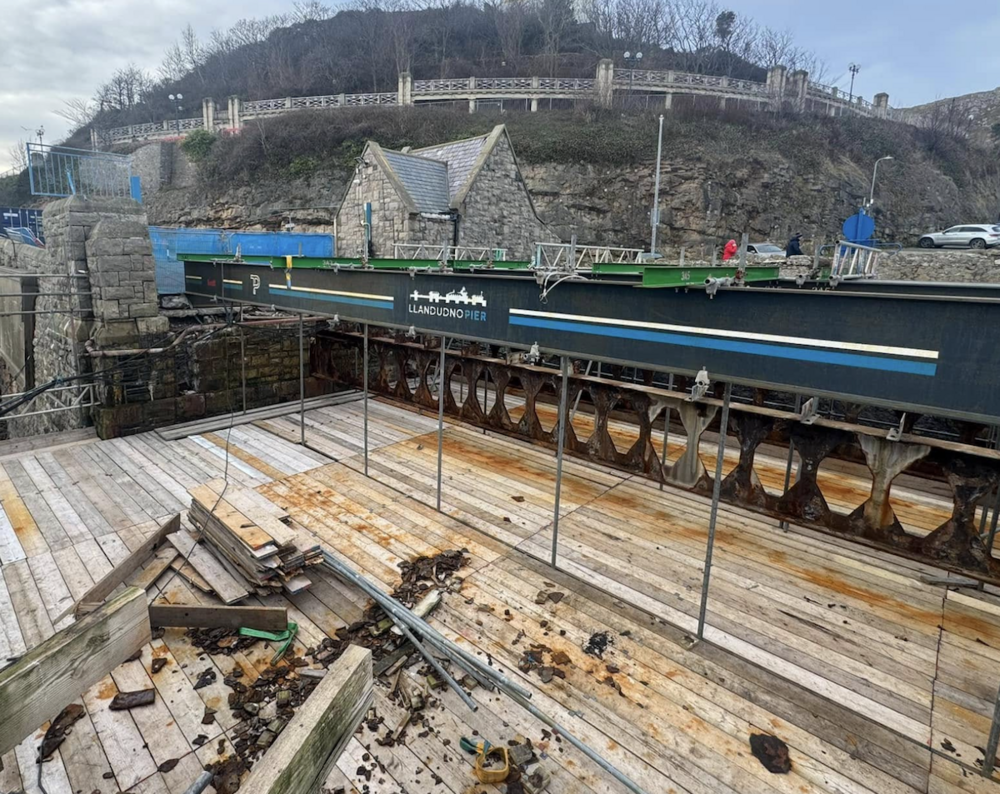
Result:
[516,392]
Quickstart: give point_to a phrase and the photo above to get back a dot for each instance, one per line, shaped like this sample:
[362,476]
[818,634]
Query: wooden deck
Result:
[839,650]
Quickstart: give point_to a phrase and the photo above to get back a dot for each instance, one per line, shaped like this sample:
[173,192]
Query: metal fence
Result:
[59,172]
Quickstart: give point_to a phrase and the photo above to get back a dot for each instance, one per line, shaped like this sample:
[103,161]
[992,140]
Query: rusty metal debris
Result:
[771,752]
[130,700]
[58,730]
[398,363]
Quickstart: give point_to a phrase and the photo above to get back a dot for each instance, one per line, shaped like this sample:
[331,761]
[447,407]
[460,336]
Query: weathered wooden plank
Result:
[47,678]
[126,568]
[190,616]
[309,746]
[225,585]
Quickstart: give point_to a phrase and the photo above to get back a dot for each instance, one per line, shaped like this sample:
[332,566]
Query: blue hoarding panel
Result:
[169,242]
[22,218]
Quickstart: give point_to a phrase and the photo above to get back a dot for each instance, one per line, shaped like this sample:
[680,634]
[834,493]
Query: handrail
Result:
[667,82]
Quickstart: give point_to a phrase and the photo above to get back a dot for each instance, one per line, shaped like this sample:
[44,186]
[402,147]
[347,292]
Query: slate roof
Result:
[460,157]
[425,179]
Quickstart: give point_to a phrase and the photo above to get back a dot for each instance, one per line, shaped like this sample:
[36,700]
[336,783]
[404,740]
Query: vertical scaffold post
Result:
[441,387]
[564,366]
[788,463]
[302,383]
[989,757]
[714,515]
[666,427]
[364,399]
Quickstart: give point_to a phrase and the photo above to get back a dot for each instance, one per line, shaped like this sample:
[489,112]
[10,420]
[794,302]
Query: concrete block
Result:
[143,310]
[105,278]
[149,291]
[153,325]
[116,293]
[77,234]
[104,246]
[138,245]
[107,309]
[118,263]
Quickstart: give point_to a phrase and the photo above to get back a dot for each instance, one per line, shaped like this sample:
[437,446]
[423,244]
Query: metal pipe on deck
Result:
[716,493]
[429,634]
[564,366]
[441,384]
[365,398]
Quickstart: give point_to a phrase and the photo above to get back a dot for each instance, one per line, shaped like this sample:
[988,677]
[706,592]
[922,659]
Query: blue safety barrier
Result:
[169,242]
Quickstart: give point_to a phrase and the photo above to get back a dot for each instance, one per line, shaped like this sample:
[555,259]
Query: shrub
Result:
[198,144]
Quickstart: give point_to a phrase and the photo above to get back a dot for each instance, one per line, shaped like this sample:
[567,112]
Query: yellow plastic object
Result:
[494,774]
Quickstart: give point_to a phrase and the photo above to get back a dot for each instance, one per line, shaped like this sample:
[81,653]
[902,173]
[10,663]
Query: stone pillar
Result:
[404,89]
[536,85]
[881,101]
[288,103]
[604,85]
[235,121]
[472,99]
[208,113]
[776,77]
[668,101]
[798,88]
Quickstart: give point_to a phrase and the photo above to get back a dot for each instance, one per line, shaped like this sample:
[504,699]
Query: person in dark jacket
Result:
[794,247]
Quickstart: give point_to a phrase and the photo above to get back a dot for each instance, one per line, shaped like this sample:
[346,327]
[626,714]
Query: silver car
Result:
[980,235]
[768,250]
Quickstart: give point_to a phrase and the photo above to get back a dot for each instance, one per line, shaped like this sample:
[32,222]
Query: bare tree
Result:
[127,88]
[556,19]
[510,18]
[18,156]
[310,11]
[78,112]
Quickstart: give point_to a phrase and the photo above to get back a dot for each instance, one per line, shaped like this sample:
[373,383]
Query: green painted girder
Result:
[676,276]
[307,262]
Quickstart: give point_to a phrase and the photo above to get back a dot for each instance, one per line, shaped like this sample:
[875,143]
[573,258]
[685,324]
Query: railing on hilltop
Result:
[780,90]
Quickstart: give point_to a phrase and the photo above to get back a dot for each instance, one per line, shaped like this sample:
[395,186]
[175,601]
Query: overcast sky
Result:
[916,50]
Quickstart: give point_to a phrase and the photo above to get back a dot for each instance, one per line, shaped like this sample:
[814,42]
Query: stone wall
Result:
[497,211]
[956,266]
[204,376]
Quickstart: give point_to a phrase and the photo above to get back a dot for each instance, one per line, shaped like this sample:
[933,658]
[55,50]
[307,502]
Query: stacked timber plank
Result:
[250,537]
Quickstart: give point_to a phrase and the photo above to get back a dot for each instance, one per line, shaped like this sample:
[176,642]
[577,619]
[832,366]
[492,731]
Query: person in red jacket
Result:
[729,251]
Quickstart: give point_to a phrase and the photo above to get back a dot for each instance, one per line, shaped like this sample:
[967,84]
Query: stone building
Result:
[467,193]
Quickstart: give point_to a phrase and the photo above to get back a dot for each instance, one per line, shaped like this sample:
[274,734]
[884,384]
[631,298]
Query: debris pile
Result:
[252,539]
[423,579]
[266,705]
[771,752]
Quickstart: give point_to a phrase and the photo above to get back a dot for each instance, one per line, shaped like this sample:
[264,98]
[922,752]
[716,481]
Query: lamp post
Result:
[633,60]
[176,99]
[871,196]
[853,69]
[654,216]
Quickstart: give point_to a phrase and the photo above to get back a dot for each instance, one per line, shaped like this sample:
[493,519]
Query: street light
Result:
[632,60]
[176,99]
[853,69]
[871,197]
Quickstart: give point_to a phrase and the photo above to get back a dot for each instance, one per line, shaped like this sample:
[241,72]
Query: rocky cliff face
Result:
[707,194]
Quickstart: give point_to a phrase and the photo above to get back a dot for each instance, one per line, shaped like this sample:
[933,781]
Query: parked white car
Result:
[980,235]
[768,250]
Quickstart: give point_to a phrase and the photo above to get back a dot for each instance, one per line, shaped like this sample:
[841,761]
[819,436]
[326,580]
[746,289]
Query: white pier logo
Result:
[255,281]
[457,304]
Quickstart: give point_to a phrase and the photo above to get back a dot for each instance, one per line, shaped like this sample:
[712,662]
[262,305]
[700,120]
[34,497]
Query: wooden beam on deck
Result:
[218,617]
[313,740]
[122,571]
[53,674]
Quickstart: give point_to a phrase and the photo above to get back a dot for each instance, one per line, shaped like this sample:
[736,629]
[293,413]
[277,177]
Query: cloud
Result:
[64,49]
